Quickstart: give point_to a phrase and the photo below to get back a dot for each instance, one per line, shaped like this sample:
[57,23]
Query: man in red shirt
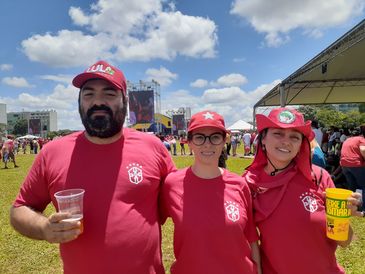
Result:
[121,171]
[8,152]
[353,161]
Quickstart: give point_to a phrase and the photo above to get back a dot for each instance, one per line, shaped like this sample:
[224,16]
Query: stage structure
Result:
[180,120]
[144,103]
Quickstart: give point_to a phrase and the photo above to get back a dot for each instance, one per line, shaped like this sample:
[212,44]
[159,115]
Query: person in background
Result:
[318,134]
[121,171]
[253,143]
[173,143]
[35,146]
[182,142]
[246,138]
[352,161]
[24,146]
[318,157]
[234,143]
[8,152]
[211,208]
[288,198]
[325,137]
[228,142]
[31,145]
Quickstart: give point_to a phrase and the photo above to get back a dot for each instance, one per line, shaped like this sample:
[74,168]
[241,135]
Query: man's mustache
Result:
[94,108]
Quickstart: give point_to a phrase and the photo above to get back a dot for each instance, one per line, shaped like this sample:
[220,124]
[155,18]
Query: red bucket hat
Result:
[285,118]
[207,118]
[102,70]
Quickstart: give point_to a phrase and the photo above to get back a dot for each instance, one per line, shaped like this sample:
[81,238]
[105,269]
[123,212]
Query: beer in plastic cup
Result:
[337,213]
[71,201]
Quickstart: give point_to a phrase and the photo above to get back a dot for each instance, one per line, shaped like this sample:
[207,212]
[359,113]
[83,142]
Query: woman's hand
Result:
[353,203]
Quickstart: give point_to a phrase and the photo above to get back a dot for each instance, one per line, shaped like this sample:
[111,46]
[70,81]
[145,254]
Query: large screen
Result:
[141,107]
[34,126]
[178,123]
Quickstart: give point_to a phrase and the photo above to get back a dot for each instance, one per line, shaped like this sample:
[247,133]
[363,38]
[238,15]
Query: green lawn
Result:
[21,255]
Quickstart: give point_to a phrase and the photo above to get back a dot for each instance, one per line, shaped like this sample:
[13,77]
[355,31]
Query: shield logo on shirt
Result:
[309,202]
[232,211]
[135,173]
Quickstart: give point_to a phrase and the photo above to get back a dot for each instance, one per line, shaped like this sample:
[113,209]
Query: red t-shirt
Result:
[213,223]
[9,144]
[292,224]
[350,152]
[122,182]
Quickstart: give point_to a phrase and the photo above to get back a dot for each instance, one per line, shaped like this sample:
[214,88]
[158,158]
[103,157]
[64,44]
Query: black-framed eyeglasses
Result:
[199,139]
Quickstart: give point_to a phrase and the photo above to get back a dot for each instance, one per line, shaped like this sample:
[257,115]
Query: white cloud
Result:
[125,30]
[63,99]
[67,48]
[277,18]
[233,79]
[163,76]
[223,96]
[180,98]
[199,83]
[78,16]
[18,82]
[6,67]
[61,78]
[232,102]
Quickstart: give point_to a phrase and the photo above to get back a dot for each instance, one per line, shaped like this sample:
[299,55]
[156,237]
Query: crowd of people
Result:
[269,220]
[12,146]
[340,153]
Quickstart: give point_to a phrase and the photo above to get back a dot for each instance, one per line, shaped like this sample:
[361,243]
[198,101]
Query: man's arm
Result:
[362,151]
[35,225]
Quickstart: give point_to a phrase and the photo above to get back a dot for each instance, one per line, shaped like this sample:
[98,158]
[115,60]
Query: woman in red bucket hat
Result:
[211,208]
[289,200]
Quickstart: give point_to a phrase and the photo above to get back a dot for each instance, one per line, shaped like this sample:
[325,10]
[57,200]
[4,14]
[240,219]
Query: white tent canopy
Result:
[28,136]
[240,125]
[335,76]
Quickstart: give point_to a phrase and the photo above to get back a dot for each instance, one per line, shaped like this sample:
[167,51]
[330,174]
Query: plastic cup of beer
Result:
[337,213]
[71,201]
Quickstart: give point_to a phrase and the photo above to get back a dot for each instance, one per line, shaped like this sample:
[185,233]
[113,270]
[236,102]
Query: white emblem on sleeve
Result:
[135,173]
[232,211]
[309,201]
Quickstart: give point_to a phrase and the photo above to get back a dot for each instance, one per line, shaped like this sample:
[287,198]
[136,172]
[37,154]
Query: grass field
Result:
[21,255]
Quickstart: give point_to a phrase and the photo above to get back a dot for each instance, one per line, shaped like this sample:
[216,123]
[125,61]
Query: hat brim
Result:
[207,126]
[80,80]
[263,122]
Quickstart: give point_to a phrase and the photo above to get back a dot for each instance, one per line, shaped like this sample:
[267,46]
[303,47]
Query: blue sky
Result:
[218,55]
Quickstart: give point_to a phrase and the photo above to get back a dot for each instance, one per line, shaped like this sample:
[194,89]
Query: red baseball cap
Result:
[102,70]
[206,118]
[285,118]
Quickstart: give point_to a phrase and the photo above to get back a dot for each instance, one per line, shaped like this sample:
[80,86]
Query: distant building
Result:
[39,122]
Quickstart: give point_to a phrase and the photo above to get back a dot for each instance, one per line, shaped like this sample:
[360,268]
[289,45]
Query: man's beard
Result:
[103,126]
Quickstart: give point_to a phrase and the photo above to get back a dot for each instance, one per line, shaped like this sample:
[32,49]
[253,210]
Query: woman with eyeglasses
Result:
[211,208]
